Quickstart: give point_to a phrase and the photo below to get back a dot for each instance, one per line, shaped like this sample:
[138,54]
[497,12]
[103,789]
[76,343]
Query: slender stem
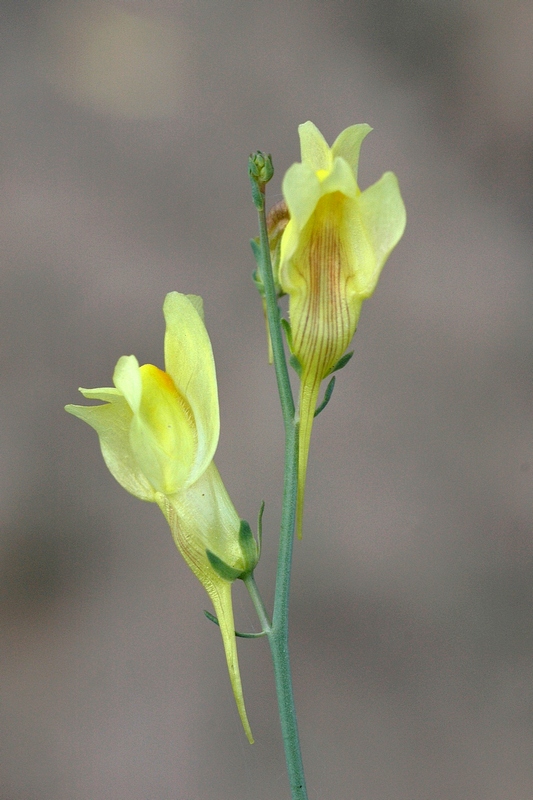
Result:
[273,316]
[278,632]
[257,600]
[279,636]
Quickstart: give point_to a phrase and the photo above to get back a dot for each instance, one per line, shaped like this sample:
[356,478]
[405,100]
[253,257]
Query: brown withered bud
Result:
[277,219]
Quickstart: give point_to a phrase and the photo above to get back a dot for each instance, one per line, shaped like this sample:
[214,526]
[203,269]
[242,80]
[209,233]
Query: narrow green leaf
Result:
[327,396]
[256,250]
[341,362]
[212,618]
[260,529]
[285,324]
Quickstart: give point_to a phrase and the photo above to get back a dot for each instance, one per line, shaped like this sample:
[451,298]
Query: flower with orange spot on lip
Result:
[158,433]
[332,252]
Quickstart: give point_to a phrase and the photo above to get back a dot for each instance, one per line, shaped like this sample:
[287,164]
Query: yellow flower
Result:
[332,252]
[158,434]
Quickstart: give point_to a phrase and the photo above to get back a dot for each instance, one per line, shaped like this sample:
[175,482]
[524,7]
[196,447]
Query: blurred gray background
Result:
[125,130]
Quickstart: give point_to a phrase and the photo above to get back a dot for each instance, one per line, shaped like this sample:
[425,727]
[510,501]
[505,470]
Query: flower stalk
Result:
[278,634]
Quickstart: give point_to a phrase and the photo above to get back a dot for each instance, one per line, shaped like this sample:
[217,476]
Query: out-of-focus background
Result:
[125,130]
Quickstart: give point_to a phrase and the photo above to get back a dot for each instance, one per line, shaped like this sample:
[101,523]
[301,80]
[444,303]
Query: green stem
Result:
[278,631]
[257,600]
[279,636]
[274,318]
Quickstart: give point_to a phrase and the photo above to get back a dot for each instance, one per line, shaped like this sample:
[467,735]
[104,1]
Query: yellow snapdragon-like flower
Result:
[332,252]
[158,433]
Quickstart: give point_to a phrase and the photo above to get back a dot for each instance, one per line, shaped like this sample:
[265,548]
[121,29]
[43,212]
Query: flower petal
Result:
[314,149]
[112,423]
[127,379]
[208,521]
[163,435]
[348,144]
[302,191]
[340,179]
[108,395]
[189,362]
[383,219]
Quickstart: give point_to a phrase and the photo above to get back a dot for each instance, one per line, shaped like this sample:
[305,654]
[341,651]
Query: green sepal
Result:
[222,569]
[248,546]
[295,364]
[293,360]
[327,396]
[341,362]
[285,324]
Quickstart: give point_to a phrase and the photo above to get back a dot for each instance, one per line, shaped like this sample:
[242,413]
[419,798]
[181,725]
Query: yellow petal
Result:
[190,363]
[112,423]
[314,149]
[348,144]
[302,191]
[208,521]
[162,430]
[383,219]
[322,311]
[340,179]
[198,304]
